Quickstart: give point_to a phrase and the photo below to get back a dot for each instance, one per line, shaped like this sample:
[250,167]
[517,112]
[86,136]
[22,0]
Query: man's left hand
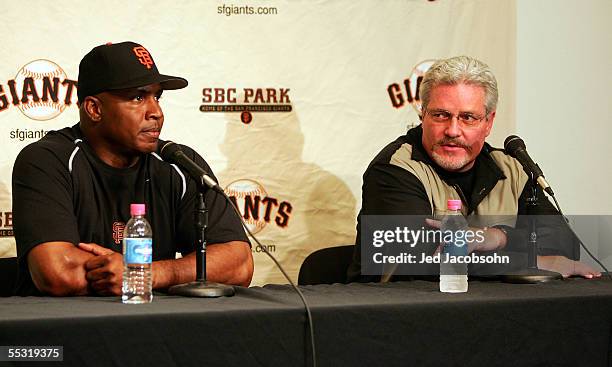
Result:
[567,267]
[104,272]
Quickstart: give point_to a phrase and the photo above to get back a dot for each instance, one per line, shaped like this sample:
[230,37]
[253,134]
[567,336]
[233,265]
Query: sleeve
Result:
[387,190]
[223,223]
[42,200]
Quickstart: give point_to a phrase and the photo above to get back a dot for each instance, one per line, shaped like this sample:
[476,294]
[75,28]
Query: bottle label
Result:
[138,250]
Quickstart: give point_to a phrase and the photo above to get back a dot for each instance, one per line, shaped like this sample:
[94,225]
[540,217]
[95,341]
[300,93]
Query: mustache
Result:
[457,142]
[156,127]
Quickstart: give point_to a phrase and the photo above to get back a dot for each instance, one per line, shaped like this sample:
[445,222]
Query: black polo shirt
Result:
[63,192]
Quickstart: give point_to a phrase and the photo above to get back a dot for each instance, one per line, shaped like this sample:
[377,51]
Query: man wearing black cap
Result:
[73,188]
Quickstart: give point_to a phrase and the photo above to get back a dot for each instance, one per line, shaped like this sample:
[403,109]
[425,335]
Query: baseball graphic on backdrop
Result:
[240,190]
[42,71]
[418,72]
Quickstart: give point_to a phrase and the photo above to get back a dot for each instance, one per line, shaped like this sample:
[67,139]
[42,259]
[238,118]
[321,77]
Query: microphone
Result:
[515,147]
[171,152]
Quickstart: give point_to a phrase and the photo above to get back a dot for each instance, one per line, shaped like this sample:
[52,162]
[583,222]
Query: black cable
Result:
[308,313]
[172,153]
[578,238]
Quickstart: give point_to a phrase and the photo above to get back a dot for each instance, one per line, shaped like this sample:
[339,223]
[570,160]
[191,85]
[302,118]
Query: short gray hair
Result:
[460,69]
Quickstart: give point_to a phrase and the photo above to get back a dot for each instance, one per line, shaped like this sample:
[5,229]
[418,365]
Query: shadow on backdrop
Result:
[301,207]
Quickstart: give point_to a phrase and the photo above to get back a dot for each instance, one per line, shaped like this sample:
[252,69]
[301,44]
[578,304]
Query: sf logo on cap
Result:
[143,56]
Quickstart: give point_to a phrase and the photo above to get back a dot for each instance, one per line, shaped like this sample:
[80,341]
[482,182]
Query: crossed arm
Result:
[62,269]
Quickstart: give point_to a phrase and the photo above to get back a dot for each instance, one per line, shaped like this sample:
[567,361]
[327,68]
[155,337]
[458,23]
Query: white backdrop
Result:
[564,109]
[332,61]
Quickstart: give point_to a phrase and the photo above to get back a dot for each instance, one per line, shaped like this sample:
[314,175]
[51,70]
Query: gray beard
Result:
[450,163]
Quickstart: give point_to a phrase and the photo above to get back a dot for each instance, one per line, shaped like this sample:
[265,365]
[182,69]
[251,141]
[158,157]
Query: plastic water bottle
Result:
[137,257]
[453,277]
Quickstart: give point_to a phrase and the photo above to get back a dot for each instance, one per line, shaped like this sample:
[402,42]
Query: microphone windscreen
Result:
[168,149]
[512,144]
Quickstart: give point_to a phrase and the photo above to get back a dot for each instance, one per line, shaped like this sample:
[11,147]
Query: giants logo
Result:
[41,90]
[256,207]
[6,222]
[411,86]
[250,100]
[118,228]
[143,56]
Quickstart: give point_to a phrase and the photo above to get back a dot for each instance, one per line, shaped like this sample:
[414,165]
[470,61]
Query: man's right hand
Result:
[62,269]
[104,272]
[58,268]
[494,239]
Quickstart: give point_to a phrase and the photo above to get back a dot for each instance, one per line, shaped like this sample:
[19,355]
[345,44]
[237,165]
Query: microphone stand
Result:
[201,287]
[532,274]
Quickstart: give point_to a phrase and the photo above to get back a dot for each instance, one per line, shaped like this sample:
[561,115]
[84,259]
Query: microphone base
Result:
[531,276]
[202,289]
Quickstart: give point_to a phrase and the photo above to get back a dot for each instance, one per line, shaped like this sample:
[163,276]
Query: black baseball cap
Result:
[118,66]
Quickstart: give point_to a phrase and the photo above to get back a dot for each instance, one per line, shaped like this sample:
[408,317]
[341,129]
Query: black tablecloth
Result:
[563,323]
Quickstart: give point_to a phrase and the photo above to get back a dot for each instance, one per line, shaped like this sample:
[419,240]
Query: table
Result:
[562,323]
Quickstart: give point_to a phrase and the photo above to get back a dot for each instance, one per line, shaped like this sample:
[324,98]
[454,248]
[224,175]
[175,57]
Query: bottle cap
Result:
[453,204]
[137,209]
